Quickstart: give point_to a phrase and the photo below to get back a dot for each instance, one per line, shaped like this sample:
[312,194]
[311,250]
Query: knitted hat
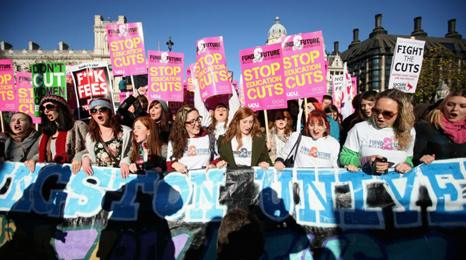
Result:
[163,104]
[102,102]
[53,98]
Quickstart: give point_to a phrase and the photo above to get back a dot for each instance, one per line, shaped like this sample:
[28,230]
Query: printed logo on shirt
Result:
[192,151]
[387,144]
[242,153]
[314,152]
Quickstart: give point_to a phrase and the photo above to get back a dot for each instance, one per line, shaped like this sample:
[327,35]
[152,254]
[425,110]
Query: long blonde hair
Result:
[405,118]
[436,115]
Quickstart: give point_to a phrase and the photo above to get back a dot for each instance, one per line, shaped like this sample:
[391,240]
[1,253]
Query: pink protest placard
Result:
[354,84]
[210,68]
[349,92]
[263,78]
[189,78]
[165,76]
[7,82]
[338,85]
[304,65]
[24,95]
[126,46]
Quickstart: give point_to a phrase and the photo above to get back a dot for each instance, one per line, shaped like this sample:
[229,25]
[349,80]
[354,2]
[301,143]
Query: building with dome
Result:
[276,32]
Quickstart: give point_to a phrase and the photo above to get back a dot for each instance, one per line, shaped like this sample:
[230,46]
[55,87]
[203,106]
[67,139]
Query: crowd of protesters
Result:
[141,138]
[381,133]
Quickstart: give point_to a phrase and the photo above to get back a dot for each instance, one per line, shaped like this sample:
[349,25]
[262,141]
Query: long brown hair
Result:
[179,135]
[213,124]
[234,128]
[164,122]
[114,123]
[282,114]
[153,141]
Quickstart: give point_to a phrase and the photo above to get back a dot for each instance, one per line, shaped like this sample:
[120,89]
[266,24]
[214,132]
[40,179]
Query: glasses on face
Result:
[387,115]
[49,107]
[99,110]
[194,121]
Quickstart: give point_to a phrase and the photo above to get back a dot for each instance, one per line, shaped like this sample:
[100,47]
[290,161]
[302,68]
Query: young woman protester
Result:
[146,150]
[63,138]
[363,104]
[386,139]
[222,114]
[190,147]
[22,139]
[160,114]
[107,142]
[444,135]
[243,143]
[280,131]
[314,148]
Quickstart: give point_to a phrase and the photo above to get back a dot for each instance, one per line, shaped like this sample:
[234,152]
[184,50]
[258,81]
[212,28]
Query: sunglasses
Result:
[386,114]
[99,110]
[49,107]
[194,121]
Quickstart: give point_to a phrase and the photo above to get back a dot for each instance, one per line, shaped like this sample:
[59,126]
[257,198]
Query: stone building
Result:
[22,59]
[370,60]
[276,32]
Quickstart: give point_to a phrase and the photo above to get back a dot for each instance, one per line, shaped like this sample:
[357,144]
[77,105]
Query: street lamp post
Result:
[170,43]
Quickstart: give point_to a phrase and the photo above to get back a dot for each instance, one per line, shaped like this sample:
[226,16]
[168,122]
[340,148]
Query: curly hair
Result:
[405,119]
[179,135]
[153,141]
[64,122]
[234,128]
[436,115]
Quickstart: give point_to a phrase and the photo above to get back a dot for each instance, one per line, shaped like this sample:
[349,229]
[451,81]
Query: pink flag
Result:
[210,69]
[354,84]
[126,46]
[25,99]
[304,65]
[263,79]
[7,82]
[165,77]
[189,78]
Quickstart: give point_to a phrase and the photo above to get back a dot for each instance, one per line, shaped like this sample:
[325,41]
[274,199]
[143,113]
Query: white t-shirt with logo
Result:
[197,154]
[242,155]
[369,140]
[322,152]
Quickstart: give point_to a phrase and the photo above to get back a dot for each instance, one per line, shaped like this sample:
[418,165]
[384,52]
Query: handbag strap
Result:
[295,148]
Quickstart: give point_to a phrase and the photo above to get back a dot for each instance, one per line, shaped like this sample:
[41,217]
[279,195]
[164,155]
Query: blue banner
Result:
[332,205]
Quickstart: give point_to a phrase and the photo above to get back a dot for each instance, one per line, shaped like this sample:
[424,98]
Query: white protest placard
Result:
[406,64]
